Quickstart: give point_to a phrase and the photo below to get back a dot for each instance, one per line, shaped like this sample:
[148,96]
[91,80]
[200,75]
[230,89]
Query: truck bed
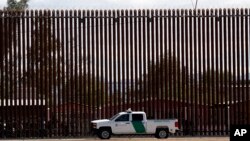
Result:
[152,124]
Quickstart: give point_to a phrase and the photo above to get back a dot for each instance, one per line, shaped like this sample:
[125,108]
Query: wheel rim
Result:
[162,134]
[105,134]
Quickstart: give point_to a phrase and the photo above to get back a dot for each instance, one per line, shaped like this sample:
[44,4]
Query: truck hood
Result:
[100,121]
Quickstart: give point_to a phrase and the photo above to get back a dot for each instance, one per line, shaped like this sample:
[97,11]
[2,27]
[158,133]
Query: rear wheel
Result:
[104,133]
[161,133]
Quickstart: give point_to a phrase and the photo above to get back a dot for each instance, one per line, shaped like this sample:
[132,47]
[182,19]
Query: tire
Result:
[161,133]
[104,133]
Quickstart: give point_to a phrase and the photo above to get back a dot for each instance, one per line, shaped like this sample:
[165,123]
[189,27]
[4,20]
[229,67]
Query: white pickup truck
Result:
[133,122]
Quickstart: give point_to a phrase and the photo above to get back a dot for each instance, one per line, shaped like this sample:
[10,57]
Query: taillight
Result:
[176,124]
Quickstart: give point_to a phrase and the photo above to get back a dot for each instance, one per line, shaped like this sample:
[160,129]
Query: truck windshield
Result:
[114,117]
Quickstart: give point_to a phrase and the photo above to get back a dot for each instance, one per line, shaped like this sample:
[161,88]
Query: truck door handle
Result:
[127,123]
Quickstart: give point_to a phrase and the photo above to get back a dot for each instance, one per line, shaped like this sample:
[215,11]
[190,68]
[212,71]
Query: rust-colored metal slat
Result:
[161,59]
[195,73]
[114,65]
[199,75]
[149,89]
[102,92]
[92,72]
[119,62]
[229,104]
[247,65]
[110,63]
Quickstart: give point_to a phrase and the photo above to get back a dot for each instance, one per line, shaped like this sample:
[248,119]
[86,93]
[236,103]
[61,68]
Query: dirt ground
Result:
[136,139]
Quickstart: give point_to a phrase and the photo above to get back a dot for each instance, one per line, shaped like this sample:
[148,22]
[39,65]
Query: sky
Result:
[132,4]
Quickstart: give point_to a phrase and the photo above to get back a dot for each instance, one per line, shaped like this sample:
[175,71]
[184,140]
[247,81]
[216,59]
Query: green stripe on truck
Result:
[138,126]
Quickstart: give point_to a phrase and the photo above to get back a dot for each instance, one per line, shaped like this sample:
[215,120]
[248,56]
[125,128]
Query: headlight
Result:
[94,125]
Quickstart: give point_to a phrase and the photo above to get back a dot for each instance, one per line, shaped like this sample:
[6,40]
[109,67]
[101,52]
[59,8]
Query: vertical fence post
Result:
[170,69]
[215,72]
[234,47]
[102,92]
[225,84]
[140,92]
[144,30]
[114,46]
[92,64]
[135,91]
[88,27]
[84,58]
[97,104]
[161,68]
[247,64]
[111,104]
[123,60]
[81,74]
[156,65]
[242,64]
[118,62]
[195,97]
[238,85]
[183,89]
[178,66]
[106,64]
[229,106]
[200,93]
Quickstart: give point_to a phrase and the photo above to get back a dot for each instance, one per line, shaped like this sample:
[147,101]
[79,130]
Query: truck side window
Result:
[137,117]
[124,117]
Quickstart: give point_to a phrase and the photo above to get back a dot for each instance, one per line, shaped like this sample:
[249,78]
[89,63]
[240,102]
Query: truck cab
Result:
[129,123]
[133,122]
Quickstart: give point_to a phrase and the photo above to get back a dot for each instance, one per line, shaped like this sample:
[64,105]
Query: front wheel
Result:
[104,134]
[161,133]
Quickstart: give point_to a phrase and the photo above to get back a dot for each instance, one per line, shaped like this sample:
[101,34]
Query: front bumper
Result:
[94,130]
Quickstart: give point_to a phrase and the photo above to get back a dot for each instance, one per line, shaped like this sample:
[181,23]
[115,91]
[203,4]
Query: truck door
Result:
[122,125]
[138,123]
